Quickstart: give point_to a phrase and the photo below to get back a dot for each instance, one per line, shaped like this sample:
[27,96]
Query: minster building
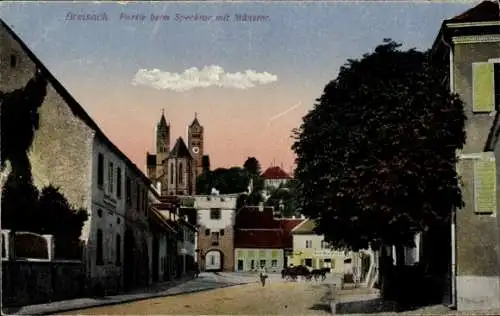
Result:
[174,170]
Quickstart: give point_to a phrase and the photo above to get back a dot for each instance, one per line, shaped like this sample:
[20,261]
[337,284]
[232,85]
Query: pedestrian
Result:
[263,275]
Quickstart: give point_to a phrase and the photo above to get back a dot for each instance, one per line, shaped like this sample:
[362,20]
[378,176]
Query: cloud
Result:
[208,76]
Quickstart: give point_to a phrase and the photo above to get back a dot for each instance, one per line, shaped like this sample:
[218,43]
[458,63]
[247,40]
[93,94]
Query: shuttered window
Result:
[485,184]
[483,87]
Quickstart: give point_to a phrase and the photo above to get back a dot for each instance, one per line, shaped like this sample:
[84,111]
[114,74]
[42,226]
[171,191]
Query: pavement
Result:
[205,282]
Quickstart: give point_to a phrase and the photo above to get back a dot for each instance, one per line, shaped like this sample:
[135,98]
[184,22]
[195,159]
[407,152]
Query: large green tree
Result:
[377,154]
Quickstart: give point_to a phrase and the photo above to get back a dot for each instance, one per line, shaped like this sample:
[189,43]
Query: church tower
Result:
[195,143]
[162,143]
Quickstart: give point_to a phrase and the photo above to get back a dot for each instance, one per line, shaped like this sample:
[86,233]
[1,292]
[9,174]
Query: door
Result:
[156,258]
[240,265]
[128,259]
[213,260]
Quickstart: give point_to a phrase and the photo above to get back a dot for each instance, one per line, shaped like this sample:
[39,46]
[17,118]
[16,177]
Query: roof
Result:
[150,159]
[275,173]
[486,11]
[156,217]
[256,229]
[483,12]
[195,121]
[163,120]
[180,150]
[306,227]
[269,238]
[289,224]
[250,217]
[74,106]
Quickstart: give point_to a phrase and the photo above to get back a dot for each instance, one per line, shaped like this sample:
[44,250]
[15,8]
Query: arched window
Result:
[180,174]
[171,173]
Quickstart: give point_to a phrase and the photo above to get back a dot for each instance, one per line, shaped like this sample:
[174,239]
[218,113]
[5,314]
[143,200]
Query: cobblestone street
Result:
[275,298]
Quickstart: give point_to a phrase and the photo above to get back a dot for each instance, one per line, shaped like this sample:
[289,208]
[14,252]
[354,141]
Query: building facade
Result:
[261,239]
[215,217]
[70,151]
[310,249]
[174,170]
[469,44]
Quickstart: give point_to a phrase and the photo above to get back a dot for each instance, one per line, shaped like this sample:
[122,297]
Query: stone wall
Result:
[36,282]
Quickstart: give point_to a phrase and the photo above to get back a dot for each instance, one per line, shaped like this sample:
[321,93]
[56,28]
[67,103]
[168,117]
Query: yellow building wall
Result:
[243,258]
[316,253]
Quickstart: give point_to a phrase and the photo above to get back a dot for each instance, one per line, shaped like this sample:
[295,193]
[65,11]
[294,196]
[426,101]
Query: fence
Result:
[31,273]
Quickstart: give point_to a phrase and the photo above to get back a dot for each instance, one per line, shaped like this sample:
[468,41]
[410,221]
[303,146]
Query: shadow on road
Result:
[372,306]
[320,307]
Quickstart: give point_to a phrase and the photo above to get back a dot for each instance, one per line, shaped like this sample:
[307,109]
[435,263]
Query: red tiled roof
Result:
[257,229]
[289,224]
[485,11]
[270,238]
[252,217]
[275,173]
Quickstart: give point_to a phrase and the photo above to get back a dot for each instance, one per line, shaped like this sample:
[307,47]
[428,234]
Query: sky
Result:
[250,82]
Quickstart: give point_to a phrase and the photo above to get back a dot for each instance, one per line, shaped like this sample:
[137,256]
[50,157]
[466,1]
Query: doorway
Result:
[156,258]
[240,265]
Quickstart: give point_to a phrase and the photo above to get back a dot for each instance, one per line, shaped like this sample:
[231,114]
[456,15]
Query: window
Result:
[324,244]
[171,173]
[308,262]
[252,264]
[111,172]
[215,213]
[483,85]
[138,197]
[100,170]
[222,232]
[180,174]
[215,235]
[119,182]
[274,263]
[207,232]
[118,250]
[262,263]
[308,243]
[13,60]
[99,249]
[128,191]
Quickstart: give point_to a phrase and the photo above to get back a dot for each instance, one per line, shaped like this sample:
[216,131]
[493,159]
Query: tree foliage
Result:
[284,198]
[233,180]
[205,163]
[376,156]
[23,206]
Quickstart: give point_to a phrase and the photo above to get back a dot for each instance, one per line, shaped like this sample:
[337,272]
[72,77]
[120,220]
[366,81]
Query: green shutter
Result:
[485,201]
[483,87]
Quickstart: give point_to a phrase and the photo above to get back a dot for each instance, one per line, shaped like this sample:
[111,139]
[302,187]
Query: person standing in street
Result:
[263,275]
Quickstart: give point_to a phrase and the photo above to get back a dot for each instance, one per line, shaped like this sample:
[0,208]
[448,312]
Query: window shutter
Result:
[485,184]
[321,264]
[483,87]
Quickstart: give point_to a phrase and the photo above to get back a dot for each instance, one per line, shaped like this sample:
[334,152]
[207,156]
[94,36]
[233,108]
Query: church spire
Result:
[163,120]
[195,121]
